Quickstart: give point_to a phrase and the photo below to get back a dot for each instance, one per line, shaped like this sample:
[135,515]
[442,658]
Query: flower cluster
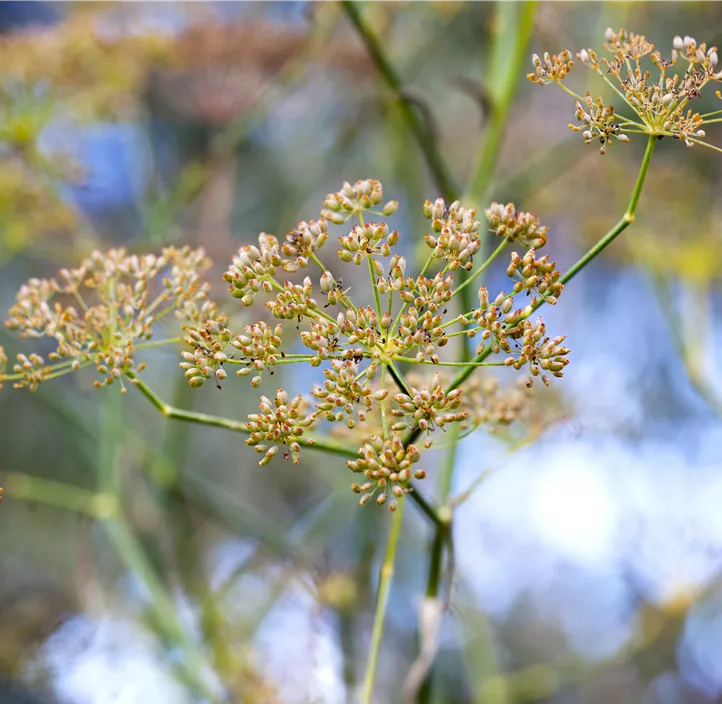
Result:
[386,464]
[597,122]
[206,360]
[456,233]
[260,348]
[279,426]
[103,311]
[553,68]
[253,269]
[370,239]
[106,310]
[660,103]
[304,240]
[343,393]
[354,199]
[515,226]
[532,274]
[541,353]
[428,408]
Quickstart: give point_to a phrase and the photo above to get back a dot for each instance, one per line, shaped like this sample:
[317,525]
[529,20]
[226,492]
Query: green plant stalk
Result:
[385,577]
[227,423]
[187,554]
[472,277]
[60,495]
[624,223]
[674,322]
[423,136]
[519,25]
[192,665]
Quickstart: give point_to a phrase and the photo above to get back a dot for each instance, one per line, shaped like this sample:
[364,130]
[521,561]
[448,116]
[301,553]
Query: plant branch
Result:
[424,137]
[385,577]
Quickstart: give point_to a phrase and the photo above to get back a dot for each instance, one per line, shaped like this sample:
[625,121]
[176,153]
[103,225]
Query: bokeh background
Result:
[588,560]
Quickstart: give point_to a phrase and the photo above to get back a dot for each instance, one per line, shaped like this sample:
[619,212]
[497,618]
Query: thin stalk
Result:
[60,495]
[384,419]
[480,270]
[509,63]
[424,137]
[375,287]
[485,169]
[405,305]
[398,377]
[624,223]
[228,423]
[192,664]
[385,577]
[411,360]
[187,552]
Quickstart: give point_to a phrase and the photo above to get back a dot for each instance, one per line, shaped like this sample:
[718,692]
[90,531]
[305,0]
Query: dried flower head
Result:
[386,464]
[345,394]
[552,69]
[352,200]
[260,348]
[428,408]
[542,354]
[279,426]
[206,360]
[516,226]
[102,312]
[660,103]
[304,240]
[456,233]
[253,269]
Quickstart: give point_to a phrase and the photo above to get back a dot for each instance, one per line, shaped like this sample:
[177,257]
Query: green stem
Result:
[228,423]
[411,360]
[509,63]
[423,136]
[375,286]
[192,664]
[480,270]
[385,577]
[513,63]
[624,223]
[60,495]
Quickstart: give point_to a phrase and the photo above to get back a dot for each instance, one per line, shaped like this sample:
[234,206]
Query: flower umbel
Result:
[103,311]
[660,103]
[387,466]
[106,310]
[278,426]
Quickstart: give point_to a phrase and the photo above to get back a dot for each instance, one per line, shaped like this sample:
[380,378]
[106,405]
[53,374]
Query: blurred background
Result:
[587,561]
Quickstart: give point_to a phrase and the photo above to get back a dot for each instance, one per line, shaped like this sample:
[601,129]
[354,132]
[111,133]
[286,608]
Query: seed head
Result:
[99,312]
[456,233]
[505,221]
[553,69]
[387,467]
[278,426]
[428,408]
[350,200]
[303,241]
